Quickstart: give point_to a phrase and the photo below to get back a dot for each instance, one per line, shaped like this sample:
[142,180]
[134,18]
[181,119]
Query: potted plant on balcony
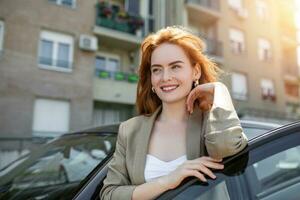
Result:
[105,9]
[135,22]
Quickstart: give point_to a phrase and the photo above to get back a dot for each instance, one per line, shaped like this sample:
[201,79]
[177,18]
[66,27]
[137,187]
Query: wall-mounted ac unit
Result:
[88,43]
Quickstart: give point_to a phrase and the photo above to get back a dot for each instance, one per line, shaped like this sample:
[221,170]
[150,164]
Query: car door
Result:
[269,168]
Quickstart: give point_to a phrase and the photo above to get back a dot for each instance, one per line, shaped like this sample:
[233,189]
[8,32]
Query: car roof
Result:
[259,124]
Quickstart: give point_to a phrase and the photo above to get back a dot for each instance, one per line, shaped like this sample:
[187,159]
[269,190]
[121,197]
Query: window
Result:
[237,41]
[70,3]
[109,113]
[264,49]
[262,9]
[236,4]
[1,36]
[50,117]
[239,86]
[56,51]
[150,19]
[268,90]
[108,63]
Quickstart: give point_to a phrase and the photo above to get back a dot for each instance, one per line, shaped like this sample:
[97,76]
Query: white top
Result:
[155,167]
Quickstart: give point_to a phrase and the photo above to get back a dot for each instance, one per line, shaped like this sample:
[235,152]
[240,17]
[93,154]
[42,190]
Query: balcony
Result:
[291,72]
[117,87]
[204,12]
[117,27]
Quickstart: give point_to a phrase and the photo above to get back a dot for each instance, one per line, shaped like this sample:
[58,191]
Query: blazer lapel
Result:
[194,134]
[142,146]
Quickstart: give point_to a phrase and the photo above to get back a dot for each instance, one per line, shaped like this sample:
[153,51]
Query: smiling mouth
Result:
[169,88]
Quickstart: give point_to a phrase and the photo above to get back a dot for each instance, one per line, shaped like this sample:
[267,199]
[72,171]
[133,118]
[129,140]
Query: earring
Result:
[196,83]
[153,90]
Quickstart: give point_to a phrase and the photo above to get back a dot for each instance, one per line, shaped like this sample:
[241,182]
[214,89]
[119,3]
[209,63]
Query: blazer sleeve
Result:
[224,135]
[117,185]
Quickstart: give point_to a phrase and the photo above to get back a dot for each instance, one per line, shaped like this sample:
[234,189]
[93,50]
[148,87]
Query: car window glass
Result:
[252,132]
[278,175]
[63,164]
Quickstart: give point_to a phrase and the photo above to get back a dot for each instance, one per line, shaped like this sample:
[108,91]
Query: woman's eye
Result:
[176,67]
[155,70]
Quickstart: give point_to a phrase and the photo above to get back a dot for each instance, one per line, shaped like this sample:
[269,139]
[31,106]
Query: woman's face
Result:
[172,74]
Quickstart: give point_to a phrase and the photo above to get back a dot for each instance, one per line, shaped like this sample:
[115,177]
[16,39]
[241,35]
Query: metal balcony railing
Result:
[113,17]
[213,46]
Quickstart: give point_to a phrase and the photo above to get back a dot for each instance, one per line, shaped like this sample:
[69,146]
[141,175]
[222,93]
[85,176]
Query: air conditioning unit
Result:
[88,43]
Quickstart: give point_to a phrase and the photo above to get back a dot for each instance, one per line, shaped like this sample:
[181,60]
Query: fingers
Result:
[205,98]
[202,169]
[196,174]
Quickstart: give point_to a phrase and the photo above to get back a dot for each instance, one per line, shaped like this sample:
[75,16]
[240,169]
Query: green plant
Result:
[119,76]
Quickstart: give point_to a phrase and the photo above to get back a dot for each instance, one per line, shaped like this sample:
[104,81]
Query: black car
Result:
[74,166]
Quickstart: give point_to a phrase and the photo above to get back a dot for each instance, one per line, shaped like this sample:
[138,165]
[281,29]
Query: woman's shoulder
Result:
[135,121]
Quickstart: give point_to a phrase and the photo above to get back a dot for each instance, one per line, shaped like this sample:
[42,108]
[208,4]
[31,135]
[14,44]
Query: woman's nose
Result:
[167,75]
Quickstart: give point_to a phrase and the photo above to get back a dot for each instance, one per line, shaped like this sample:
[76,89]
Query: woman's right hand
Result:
[198,167]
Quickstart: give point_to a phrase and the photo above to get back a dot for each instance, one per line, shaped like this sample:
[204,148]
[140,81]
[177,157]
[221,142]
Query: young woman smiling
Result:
[187,121]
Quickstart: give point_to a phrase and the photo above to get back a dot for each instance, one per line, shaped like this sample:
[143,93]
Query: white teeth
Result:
[169,88]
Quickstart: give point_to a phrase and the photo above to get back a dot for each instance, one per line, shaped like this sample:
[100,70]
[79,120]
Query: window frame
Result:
[56,38]
[36,107]
[262,10]
[59,3]
[236,43]
[237,95]
[261,41]
[2,30]
[108,56]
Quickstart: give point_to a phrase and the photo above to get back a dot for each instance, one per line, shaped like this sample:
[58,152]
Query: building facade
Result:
[254,42]
[67,65]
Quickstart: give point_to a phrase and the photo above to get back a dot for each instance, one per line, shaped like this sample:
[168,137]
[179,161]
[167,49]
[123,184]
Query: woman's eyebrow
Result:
[171,63]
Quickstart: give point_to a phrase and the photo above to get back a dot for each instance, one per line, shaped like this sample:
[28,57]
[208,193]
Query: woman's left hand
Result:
[203,94]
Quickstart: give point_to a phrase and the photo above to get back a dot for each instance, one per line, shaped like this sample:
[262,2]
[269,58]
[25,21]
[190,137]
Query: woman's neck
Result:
[174,112]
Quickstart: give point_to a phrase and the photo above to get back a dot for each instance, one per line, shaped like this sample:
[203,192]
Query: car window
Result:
[278,176]
[57,168]
[252,132]
[270,170]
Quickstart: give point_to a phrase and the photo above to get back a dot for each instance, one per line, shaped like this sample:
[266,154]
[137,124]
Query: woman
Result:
[187,122]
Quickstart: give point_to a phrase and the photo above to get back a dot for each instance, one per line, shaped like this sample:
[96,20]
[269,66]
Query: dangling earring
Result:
[196,83]
[153,90]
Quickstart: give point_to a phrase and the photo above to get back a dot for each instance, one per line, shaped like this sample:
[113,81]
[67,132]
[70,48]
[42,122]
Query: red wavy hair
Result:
[146,101]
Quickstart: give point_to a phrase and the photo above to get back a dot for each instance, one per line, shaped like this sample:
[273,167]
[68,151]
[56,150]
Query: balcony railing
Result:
[116,75]
[113,17]
[211,4]
[213,46]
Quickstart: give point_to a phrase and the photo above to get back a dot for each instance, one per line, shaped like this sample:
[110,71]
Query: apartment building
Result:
[67,65]
[254,42]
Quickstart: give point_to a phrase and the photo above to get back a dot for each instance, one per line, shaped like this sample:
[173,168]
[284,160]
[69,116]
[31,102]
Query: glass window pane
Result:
[113,64]
[100,63]
[46,52]
[133,7]
[67,2]
[63,55]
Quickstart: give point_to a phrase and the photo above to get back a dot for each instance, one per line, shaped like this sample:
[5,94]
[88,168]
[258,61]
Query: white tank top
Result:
[155,167]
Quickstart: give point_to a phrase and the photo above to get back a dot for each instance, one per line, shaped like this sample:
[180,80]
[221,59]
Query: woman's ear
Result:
[197,71]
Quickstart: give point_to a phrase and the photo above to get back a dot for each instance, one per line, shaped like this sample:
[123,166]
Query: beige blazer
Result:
[216,133]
